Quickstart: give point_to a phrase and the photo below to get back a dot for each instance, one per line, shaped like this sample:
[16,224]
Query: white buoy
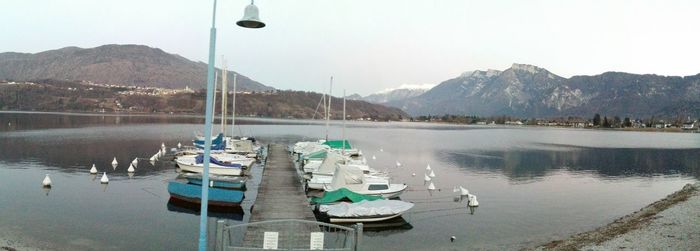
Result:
[104,179]
[179,145]
[374,157]
[47,181]
[426,178]
[472,201]
[93,170]
[398,164]
[427,168]
[452,238]
[432,174]
[431,186]
[413,174]
[131,169]
[381,149]
[463,191]
[114,162]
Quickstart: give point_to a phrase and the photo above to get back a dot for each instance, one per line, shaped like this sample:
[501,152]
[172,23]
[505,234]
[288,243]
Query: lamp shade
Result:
[251,17]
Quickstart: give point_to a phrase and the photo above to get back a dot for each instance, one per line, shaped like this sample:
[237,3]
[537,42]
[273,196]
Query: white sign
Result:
[270,240]
[316,241]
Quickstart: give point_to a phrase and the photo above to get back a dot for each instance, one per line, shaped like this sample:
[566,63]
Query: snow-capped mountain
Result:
[530,91]
[395,94]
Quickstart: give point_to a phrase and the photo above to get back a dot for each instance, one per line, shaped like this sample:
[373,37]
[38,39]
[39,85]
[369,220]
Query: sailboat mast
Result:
[328,111]
[233,113]
[344,139]
[216,83]
[224,100]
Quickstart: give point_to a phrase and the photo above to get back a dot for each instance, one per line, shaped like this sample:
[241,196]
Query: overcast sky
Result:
[373,45]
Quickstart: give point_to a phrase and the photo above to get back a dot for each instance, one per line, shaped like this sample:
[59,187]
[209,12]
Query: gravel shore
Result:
[11,241]
[672,223]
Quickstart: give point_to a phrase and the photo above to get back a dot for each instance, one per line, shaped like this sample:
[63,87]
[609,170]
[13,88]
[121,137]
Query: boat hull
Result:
[191,193]
[213,169]
[356,220]
[238,185]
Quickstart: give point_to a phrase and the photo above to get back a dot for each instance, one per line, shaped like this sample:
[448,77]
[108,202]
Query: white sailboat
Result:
[354,179]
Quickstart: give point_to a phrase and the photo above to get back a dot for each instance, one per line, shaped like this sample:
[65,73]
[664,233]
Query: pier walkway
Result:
[280,196]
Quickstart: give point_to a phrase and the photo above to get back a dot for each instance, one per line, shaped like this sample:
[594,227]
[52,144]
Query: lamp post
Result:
[250,19]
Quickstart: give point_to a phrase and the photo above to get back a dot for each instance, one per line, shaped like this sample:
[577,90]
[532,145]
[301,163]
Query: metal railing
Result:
[289,234]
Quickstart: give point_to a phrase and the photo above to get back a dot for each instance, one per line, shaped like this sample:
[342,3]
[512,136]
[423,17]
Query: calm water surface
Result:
[534,184]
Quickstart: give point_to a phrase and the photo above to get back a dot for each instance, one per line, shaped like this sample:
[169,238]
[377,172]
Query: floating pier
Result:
[280,196]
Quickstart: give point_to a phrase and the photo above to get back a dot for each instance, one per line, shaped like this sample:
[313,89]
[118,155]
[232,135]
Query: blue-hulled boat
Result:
[191,193]
[226,182]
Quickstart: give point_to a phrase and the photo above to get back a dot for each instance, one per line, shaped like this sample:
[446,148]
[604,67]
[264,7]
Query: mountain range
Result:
[394,94]
[530,91]
[137,65]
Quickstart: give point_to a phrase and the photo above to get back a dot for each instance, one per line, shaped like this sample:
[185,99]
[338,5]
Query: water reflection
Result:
[527,164]
[232,213]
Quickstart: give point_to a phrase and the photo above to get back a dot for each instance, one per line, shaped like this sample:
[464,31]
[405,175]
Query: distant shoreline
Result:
[192,115]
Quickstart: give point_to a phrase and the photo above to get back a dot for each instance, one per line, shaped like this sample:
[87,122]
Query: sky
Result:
[369,46]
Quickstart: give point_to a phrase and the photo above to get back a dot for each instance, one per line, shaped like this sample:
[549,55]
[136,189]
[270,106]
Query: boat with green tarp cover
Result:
[319,155]
[338,144]
[343,194]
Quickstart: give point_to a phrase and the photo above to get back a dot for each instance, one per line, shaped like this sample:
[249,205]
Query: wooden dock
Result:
[280,196]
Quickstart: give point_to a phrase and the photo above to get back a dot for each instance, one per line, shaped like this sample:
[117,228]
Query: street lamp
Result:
[250,19]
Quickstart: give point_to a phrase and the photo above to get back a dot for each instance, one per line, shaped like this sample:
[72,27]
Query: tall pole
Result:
[328,111]
[344,139]
[233,112]
[216,85]
[207,135]
[224,96]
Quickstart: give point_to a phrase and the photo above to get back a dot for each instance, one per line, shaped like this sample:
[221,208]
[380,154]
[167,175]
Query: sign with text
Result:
[316,241]
[270,240]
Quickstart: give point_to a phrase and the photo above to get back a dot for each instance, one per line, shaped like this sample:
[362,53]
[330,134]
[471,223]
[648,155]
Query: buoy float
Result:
[135,161]
[463,191]
[452,238]
[381,149]
[47,181]
[179,145]
[432,174]
[427,168]
[431,186]
[427,178]
[398,163]
[114,162]
[413,174]
[131,169]
[93,170]
[104,179]
[374,157]
[472,201]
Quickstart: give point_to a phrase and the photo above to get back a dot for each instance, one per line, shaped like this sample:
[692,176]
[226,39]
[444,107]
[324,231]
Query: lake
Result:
[534,184]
